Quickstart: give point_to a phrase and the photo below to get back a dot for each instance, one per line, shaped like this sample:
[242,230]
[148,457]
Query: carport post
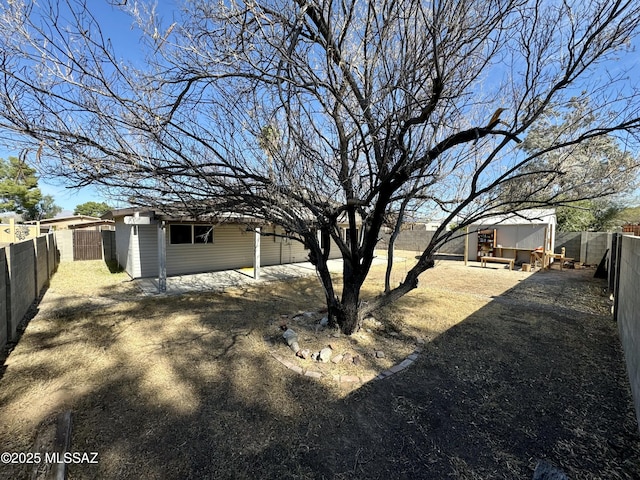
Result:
[162,257]
[466,245]
[256,254]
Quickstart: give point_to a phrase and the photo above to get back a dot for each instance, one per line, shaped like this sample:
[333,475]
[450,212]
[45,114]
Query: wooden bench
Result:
[560,260]
[510,261]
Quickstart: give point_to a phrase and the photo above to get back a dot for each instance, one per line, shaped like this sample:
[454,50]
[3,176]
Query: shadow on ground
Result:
[536,374]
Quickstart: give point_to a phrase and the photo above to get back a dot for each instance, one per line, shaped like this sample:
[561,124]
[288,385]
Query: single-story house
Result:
[153,244]
[514,235]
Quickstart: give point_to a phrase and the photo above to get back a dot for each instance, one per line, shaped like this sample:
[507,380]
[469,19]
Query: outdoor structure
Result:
[151,243]
[633,229]
[74,222]
[521,238]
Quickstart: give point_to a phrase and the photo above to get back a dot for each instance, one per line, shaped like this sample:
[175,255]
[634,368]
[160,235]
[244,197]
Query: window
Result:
[190,234]
[181,234]
[202,234]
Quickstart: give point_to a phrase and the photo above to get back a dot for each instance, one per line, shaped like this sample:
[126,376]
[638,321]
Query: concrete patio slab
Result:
[219,281]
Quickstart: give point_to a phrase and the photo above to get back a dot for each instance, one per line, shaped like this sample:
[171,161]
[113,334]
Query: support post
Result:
[162,257]
[466,245]
[256,254]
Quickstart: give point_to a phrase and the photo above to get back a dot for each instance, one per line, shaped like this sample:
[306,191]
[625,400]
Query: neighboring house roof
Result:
[73,221]
[71,218]
[97,223]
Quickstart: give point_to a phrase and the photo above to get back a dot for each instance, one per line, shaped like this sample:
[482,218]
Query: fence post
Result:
[583,246]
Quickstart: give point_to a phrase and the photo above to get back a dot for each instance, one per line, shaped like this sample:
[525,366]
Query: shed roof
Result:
[534,216]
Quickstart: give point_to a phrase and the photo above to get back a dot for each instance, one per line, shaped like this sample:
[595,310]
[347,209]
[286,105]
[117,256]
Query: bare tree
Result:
[307,113]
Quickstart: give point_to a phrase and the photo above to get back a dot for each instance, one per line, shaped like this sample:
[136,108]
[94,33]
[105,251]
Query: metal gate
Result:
[87,245]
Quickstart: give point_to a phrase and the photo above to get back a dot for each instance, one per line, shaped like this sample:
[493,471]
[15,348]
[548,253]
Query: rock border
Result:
[350,379]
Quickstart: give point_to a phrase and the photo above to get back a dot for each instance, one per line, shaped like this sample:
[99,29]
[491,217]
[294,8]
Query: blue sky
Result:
[65,198]
[117,26]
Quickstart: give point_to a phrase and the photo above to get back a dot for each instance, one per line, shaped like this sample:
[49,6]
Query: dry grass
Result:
[185,387]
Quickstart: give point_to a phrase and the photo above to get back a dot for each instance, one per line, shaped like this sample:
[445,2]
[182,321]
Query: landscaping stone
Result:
[291,337]
[304,353]
[338,358]
[394,334]
[372,322]
[324,321]
[347,358]
[356,360]
[379,354]
[325,355]
[396,368]
[406,362]
[545,471]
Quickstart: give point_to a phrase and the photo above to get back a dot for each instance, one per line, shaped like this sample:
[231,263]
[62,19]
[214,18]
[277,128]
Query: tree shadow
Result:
[532,375]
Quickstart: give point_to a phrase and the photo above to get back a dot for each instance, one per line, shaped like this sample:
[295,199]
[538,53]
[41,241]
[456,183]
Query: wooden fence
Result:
[87,245]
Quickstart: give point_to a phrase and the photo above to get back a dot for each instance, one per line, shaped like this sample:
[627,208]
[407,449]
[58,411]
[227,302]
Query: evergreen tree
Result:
[19,190]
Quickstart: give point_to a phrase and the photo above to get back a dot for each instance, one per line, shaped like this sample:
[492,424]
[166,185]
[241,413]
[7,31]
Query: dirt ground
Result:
[516,368]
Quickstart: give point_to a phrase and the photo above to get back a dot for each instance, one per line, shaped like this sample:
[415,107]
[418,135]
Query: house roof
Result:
[178,216]
[220,217]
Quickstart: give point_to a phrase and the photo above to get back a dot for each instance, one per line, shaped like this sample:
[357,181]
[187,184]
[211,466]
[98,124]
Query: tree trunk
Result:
[348,314]
[392,242]
[387,274]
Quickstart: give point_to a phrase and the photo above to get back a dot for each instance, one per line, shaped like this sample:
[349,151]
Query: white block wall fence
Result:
[627,311]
